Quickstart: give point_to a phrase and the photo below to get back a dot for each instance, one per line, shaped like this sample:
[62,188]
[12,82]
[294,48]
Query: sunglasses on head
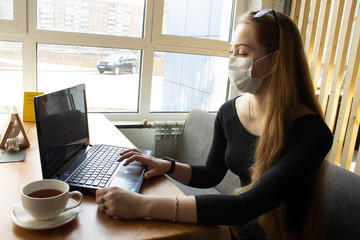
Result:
[266,11]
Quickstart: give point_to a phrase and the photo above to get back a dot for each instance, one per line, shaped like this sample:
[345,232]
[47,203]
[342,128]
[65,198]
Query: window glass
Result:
[198,18]
[182,82]
[11,93]
[111,76]
[6,10]
[111,17]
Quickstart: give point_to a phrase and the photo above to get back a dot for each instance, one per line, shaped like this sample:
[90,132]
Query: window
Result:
[198,18]
[138,59]
[119,18]
[111,75]
[187,81]
[184,81]
[6,10]
[11,75]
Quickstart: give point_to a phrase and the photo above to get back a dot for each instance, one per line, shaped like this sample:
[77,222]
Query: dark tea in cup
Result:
[45,193]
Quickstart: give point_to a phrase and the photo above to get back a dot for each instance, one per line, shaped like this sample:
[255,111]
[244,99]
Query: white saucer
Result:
[42,226]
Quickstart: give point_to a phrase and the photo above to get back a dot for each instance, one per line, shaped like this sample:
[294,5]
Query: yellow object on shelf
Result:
[28,111]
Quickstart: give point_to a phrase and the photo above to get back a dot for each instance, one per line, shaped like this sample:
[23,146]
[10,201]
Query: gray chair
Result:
[343,204]
[343,199]
[193,149]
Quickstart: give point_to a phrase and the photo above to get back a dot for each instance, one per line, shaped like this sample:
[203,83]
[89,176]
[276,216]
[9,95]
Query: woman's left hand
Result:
[120,203]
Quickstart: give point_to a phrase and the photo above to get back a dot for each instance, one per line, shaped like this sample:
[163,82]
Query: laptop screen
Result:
[62,127]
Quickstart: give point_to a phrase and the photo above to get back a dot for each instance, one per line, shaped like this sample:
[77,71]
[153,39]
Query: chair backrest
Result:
[343,203]
[195,143]
[196,137]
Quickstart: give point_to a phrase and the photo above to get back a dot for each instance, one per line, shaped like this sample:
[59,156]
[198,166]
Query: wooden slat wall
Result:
[295,11]
[330,30]
[311,28]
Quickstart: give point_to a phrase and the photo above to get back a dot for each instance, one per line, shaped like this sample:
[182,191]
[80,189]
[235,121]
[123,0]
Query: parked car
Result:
[118,63]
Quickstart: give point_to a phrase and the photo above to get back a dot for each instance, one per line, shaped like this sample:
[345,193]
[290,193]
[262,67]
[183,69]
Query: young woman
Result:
[274,138]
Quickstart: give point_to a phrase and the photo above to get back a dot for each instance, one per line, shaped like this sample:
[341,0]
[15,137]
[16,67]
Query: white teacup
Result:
[47,199]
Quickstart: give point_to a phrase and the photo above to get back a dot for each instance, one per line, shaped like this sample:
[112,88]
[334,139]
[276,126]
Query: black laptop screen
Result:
[62,127]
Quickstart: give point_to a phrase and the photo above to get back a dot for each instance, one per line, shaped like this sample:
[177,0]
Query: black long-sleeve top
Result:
[233,149]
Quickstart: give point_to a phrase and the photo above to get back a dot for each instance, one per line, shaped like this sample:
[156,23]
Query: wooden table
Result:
[91,223]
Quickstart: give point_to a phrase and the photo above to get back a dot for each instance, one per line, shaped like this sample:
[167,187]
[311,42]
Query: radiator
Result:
[167,136]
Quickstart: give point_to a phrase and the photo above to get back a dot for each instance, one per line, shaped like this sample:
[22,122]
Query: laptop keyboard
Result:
[97,170]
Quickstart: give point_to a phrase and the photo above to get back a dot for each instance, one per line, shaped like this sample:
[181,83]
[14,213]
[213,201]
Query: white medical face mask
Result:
[239,71]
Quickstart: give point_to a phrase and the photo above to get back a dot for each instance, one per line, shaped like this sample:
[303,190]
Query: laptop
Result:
[65,150]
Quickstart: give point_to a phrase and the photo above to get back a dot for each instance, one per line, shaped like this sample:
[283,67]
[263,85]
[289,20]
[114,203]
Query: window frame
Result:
[152,41]
[18,24]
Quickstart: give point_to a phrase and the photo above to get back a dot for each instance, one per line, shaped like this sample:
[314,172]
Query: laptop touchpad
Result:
[130,171]
[129,177]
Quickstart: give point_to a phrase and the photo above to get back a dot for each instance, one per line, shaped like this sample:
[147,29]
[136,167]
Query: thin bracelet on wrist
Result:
[176,208]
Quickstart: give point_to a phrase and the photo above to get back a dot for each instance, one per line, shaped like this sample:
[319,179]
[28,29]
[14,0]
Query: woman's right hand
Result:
[155,166]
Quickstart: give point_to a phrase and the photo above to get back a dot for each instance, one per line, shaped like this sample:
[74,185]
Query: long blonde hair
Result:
[289,85]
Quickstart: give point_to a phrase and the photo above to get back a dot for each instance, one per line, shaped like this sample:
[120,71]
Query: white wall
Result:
[143,138]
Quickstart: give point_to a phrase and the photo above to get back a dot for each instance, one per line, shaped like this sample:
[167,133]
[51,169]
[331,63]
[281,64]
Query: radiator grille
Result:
[167,135]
